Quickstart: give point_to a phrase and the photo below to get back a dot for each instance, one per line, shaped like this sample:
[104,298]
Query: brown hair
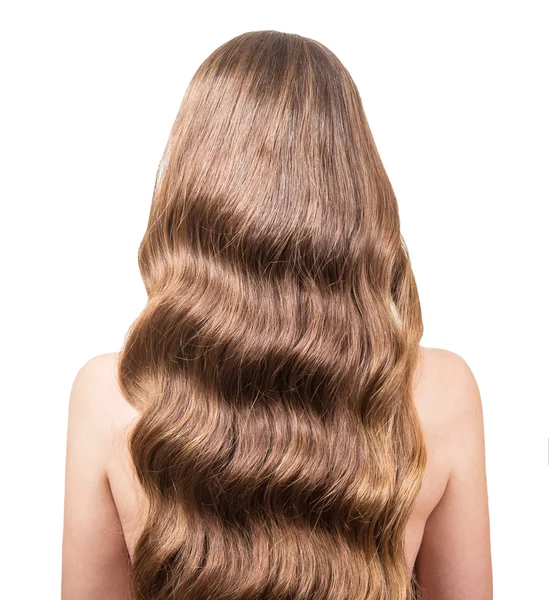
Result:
[277,442]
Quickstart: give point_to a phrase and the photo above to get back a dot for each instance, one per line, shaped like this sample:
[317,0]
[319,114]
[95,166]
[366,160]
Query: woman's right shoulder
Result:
[447,393]
[454,557]
[448,402]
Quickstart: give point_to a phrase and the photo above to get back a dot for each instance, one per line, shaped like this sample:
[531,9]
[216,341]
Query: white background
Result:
[456,97]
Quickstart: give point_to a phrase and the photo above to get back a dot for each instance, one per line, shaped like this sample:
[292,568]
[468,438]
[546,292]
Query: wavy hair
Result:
[273,365]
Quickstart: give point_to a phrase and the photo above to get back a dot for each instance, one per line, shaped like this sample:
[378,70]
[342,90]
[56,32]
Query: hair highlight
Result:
[278,441]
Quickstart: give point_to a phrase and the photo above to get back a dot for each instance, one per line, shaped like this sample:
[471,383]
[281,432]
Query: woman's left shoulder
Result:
[96,400]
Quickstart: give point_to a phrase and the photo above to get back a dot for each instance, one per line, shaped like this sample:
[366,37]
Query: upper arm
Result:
[95,562]
[454,561]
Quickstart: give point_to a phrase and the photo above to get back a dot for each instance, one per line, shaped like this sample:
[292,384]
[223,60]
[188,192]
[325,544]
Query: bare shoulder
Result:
[454,558]
[448,403]
[447,394]
[98,411]
[95,555]
[97,395]
[98,372]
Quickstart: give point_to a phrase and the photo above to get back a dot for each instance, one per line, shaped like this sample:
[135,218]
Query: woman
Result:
[272,427]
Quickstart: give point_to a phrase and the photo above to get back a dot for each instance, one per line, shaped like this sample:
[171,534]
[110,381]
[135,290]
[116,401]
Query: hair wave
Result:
[272,366]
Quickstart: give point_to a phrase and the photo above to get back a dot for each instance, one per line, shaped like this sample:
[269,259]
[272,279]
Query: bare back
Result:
[447,537]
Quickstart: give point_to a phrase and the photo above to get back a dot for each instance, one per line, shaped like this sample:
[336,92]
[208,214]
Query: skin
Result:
[447,538]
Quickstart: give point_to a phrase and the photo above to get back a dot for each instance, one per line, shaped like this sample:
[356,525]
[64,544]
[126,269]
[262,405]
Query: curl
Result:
[278,442]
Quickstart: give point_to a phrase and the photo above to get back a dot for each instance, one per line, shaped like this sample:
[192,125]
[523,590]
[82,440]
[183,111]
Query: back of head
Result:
[278,441]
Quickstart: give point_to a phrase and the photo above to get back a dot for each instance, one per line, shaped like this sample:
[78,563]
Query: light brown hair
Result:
[278,441]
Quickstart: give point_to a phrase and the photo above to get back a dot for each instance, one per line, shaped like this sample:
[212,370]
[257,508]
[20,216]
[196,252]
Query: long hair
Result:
[272,367]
